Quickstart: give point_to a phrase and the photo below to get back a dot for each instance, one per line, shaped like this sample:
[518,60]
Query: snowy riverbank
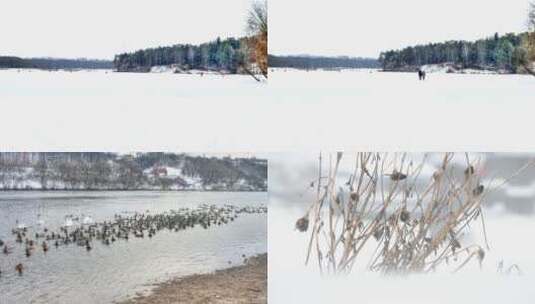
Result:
[450,68]
[139,171]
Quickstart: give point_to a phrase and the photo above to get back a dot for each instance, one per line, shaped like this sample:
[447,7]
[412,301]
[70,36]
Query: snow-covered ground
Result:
[108,111]
[290,281]
[509,229]
[452,68]
[191,182]
[395,111]
[176,69]
[293,110]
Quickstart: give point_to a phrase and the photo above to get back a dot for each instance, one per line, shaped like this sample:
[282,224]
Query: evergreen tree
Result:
[216,55]
[496,52]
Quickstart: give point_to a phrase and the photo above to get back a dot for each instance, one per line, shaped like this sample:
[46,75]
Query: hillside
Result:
[139,171]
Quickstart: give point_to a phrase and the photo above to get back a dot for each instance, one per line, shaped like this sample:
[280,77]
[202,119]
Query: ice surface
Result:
[294,110]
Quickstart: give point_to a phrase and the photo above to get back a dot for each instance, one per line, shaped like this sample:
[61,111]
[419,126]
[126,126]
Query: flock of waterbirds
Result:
[121,228]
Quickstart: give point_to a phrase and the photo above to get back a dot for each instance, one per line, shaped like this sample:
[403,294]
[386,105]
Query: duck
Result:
[19,268]
[87,245]
[138,224]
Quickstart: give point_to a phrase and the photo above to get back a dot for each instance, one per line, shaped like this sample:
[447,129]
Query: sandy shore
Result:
[240,284]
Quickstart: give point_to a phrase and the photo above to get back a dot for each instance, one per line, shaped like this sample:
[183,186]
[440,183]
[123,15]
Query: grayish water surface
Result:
[105,274]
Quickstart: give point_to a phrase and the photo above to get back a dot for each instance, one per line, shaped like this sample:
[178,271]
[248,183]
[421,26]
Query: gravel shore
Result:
[241,284]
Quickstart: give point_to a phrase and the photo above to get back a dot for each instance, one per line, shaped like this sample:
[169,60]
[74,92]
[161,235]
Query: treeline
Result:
[108,171]
[244,55]
[220,54]
[211,170]
[493,53]
[318,62]
[53,63]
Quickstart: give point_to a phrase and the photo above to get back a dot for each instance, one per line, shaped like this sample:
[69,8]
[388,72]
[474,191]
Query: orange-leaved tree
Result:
[257,26]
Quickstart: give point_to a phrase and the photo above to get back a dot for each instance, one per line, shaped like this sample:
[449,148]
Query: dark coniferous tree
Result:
[216,55]
[496,52]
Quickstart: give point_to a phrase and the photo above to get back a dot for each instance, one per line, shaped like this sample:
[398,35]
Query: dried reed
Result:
[415,223]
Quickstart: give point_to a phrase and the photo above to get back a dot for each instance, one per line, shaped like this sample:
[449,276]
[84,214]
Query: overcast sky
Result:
[366,27]
[103,28]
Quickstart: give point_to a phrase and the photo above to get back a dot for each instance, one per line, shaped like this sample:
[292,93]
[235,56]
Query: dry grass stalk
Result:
[416,224]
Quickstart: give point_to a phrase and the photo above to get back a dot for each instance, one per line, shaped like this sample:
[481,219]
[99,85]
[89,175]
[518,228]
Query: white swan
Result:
[68,222]
[87,220]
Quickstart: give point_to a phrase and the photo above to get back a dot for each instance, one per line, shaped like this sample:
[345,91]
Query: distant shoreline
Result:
[58,69]
[112,70]
[403,70]
[482,72]
[240,284]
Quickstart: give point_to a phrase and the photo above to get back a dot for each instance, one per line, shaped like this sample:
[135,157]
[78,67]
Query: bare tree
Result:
[102,172]
[531,16]
[257,26]
[42,173]
[130,175]
[529,42]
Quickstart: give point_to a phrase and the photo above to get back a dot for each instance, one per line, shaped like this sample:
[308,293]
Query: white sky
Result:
[367,27]
[103,28]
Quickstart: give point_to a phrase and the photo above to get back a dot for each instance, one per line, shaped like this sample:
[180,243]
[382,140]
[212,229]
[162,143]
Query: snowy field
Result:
[125,110]
[293,110]
[510,222]
[353,108]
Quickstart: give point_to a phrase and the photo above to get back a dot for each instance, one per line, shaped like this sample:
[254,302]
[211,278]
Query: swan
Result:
[88,220]
[21,226]
[68,222]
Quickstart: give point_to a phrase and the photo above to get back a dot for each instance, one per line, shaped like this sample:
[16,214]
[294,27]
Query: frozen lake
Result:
[30,83]
[89,105]
[111,273]
[330,108]
[389,111]
[379,86]
[510,221]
